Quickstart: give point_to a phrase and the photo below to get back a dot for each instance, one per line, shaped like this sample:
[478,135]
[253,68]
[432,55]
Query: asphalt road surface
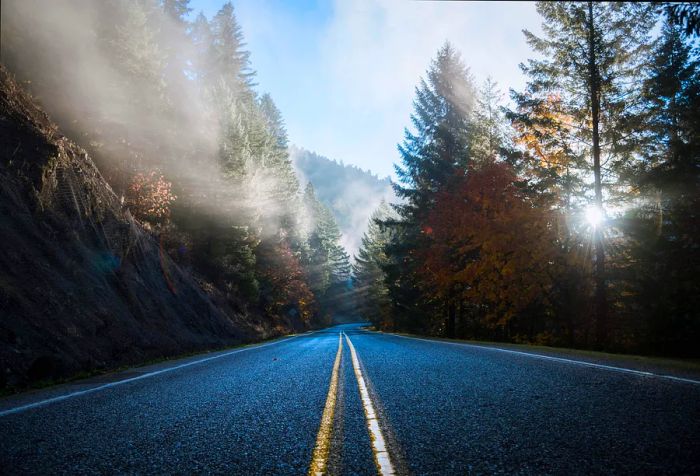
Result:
[347,401]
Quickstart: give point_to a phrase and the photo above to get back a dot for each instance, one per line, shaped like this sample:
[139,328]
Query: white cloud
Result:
[375,51]
[345,79]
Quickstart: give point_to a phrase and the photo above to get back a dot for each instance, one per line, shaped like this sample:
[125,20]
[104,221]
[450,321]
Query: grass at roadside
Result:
[43,384]
[686,366]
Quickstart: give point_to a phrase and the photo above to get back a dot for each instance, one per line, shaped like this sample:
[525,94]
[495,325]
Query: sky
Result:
[343,72]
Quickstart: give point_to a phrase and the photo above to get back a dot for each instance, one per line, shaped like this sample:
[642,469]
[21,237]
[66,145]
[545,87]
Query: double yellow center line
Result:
[319,461]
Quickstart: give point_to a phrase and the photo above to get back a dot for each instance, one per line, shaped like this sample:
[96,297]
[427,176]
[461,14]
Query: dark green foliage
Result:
[684,14]
[665,227]
[609,117]
[441,141]
[369,277]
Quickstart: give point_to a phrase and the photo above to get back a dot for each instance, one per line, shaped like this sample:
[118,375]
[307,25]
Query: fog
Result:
[137,111]
[352,194]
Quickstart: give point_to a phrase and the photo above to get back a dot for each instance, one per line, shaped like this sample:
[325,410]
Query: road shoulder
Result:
[660,366]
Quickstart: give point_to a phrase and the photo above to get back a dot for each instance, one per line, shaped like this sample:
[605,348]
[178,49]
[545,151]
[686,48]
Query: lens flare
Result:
[594,216]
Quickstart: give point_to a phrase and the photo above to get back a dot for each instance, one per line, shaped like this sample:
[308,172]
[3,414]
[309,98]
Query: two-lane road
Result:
[346,401]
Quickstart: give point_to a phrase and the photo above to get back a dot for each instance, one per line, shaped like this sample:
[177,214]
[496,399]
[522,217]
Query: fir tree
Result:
[489,123]
[440,145]
[369,279]
[664,228]
[593,55]
[230,61]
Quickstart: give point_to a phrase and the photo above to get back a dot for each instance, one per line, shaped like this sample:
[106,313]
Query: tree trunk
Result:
[601,307]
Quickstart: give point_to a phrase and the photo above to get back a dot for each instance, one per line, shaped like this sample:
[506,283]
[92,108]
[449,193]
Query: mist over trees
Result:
[168,109]
[569,218]
[350,192]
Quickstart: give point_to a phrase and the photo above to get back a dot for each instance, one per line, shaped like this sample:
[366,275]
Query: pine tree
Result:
[440,145]
[326,261]
[489,123]
[176,10]
[593,55]
[280,172]
[441,142]
[369,279]
[230,61]
[172,38]
[200,35]
[685,14]
[665,226]
[137,51]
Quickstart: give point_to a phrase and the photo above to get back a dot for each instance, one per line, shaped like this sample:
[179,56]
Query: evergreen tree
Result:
[489,123]
[136,48]
[369,279]
[279,171]
[665,226]
[176,10]
[593,54]
[230,61]
[442,122]
[200,35]
[327,263]
[684,14]
[172,37]
[440,145]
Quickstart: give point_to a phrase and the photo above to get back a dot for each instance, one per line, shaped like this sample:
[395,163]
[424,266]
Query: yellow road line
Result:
[381,454]
[323,439]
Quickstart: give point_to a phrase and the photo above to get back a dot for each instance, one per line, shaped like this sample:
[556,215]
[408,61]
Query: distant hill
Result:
[350,192]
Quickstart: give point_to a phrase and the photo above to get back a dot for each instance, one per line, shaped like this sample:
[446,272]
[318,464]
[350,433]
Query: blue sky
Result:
[343,72]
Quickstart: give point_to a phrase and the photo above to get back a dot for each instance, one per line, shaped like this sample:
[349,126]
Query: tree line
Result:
[568,218]
[168,109]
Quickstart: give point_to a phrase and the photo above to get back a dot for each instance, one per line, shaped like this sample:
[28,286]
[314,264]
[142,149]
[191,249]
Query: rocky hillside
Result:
[82,285]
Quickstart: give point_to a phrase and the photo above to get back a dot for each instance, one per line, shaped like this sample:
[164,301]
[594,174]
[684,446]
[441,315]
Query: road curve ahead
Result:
[347,401]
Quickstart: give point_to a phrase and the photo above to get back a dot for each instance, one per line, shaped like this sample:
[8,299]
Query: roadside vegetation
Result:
[567,219]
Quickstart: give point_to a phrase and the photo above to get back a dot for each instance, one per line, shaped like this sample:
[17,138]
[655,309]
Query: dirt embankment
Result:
[82,285]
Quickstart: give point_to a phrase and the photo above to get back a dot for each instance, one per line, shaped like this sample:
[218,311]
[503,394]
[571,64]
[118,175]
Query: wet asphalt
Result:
[444,409]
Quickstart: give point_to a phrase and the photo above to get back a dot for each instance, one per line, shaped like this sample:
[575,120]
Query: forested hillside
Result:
[191,152]
[570,218]
[350,192]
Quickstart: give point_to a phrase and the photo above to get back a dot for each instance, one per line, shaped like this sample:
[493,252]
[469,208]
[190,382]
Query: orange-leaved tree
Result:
[149,197]
[490,247]
[284,289]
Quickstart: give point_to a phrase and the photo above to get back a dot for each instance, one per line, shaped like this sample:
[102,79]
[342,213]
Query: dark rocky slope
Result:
[82,285]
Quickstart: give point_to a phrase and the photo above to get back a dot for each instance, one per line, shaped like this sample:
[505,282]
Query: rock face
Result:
[82,285]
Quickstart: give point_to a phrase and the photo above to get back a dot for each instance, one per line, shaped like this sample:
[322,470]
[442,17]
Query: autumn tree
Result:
[491,247]
[283,287]
[149,197]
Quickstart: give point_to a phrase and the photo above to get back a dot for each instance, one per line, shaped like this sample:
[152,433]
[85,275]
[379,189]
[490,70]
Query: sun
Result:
[594,216]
